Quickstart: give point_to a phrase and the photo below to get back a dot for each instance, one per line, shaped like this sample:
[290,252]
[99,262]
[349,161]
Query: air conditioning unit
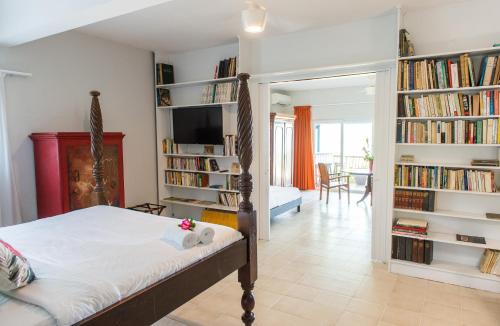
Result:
[281,99]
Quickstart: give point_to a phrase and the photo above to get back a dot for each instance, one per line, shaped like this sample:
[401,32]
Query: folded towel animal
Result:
[184,239]
[205,232]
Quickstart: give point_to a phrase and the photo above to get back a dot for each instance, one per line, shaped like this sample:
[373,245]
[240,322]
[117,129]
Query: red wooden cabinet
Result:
[63,170]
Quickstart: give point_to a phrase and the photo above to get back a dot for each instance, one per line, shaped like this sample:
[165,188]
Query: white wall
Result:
[65,68]
[352,104]
[464,25]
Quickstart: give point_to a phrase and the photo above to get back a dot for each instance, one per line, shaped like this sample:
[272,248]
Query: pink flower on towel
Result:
[187,224]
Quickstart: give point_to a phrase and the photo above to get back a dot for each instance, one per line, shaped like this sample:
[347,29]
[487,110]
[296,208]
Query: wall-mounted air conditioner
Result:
[281,99]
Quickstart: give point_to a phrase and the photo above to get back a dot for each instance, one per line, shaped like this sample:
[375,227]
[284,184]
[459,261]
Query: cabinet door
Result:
[279,132]
[288,156]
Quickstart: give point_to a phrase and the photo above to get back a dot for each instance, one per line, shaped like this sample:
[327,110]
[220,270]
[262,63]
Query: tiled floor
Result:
[316,270]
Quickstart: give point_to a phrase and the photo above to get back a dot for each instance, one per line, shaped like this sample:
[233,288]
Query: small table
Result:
[369,181]
[148,208]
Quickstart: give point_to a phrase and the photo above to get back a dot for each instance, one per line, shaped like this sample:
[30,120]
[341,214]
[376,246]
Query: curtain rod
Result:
[15,73]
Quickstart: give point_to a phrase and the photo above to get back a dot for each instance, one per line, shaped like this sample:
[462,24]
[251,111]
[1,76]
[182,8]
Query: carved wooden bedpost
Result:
[96,147]
[247,225]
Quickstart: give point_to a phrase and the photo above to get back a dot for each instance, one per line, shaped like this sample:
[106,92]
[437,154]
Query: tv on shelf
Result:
[198,125]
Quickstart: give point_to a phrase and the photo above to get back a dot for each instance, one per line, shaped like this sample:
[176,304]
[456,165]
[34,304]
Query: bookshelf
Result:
[456,211]
[187,191]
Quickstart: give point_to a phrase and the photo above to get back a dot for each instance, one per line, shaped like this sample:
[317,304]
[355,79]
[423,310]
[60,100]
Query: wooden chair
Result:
[330,180]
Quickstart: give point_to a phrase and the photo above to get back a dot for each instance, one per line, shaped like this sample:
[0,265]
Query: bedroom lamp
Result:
[254,18]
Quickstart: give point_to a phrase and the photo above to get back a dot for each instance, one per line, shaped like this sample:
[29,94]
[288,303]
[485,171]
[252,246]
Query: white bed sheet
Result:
[89,259]
[282,195]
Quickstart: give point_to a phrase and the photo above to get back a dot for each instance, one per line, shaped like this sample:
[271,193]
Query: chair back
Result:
[324,173]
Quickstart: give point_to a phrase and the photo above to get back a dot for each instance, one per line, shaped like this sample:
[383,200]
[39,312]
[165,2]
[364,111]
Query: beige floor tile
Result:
[275,317]
[406,301]
[168,322]
[431,321]
[303,292]
[366,308]
[266,298]
[315,312]
[354,319]
[400,317]
[441,311]
[472,318]
[445,298]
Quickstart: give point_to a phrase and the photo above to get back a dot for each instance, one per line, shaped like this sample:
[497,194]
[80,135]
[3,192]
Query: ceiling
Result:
[182,25]
[363,80]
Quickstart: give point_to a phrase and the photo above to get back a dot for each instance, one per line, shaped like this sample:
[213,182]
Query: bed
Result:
[106,266]
[283,199]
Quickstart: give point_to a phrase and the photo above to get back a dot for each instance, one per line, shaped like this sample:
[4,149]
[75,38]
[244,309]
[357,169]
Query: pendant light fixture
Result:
[254,18]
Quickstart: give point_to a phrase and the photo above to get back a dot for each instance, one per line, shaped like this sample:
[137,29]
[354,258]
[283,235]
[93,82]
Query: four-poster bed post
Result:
[159,299]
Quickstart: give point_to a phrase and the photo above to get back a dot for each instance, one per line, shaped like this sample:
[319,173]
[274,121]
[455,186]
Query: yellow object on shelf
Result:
[220,217]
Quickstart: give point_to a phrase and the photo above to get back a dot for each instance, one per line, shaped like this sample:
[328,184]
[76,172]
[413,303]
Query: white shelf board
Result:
[448,213]
[194,105]
[212,206]
[201,188]
[450,165]
[204,172]
[451,118]
[462,145]
[471,52]
[449,90]
[451,239]
[200,155]
[451,191]
[198,82]
[450,267]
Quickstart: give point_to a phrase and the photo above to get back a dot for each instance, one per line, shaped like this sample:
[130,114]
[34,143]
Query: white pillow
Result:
[15,271]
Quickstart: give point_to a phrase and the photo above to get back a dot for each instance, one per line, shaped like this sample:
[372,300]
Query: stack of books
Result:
[414,250]
[169,147]
[164,74]
[490,262]
[195,163]
[484,103]
[232,182]
[417,200]
[444,178]
[186,179]
[447,73]
[226,68]
[230,199]
[410,226]
[220,93]
[230,145]
[483,131]
[484,162]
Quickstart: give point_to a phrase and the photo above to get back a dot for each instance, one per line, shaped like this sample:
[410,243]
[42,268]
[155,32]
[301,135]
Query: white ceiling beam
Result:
[23,21]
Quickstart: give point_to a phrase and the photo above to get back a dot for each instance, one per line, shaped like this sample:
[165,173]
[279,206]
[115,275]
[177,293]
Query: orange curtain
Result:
[303,163]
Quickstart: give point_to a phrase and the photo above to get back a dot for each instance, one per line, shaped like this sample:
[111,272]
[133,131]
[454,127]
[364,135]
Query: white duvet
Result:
[282,195]
[89,259]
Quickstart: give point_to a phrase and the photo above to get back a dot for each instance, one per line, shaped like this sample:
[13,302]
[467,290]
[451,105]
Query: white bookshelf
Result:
[193,71]
[456,211]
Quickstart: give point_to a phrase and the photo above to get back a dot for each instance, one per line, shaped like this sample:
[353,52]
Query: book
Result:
[164,74]
[428,252]
[493,216]
[470,238]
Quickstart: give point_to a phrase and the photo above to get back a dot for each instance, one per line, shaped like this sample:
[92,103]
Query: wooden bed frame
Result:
[158,300]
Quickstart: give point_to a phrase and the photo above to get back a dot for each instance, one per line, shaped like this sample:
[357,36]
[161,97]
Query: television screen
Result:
[198,125]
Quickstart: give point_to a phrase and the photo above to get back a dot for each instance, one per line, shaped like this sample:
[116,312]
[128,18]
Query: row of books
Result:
[418,200]
[414,250]
[444,178]
[490,262]
[410,226]
[483,103]
[169,147]
[230,145]
[164,74]
[220,93]
[186,179]
[447,73]
[226,68]
[230,199]
[483,131]
[192,163]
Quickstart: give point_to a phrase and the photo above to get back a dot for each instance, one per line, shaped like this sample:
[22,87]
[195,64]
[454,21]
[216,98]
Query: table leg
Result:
[368,189]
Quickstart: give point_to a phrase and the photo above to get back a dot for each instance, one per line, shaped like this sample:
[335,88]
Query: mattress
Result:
[282,195]
[89,259]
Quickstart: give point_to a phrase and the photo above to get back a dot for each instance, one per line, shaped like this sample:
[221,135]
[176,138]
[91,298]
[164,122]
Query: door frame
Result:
[384,211]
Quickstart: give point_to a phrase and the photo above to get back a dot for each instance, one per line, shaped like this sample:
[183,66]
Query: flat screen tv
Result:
[198,125]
